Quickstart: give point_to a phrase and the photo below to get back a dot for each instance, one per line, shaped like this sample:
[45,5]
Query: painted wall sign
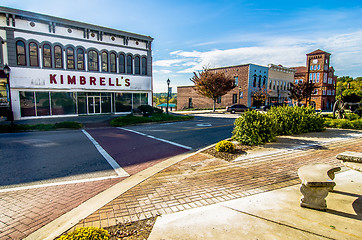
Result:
[55,79]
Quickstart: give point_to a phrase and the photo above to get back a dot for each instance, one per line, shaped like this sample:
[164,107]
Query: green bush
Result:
[352,116]
[86,233]
[295,120]
[129,119]
[254,128]
[147,110]
[344,123]
[225,146]
[157,110]
[74,125]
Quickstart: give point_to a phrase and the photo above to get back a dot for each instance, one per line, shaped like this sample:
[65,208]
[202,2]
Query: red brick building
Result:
[248,78]
[319,71]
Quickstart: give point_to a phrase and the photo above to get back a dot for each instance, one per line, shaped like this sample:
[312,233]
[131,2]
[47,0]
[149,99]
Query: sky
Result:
[190,35]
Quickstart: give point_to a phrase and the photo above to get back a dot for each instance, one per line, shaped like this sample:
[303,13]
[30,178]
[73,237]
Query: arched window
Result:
[92,60]
[47,56]
[254,82]
[122,65]
[144,66]
[33,54]
[58,56]
[264,82]
[104,62]
[129,64]
[113,62]
[20,53]
[80,59]
[259,82]
[70,58]
[137,65]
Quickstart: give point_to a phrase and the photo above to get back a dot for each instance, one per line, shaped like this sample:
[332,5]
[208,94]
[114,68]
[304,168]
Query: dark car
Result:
[237,108]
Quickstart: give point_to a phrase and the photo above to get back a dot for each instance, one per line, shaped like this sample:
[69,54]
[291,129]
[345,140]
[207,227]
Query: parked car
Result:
[237,108]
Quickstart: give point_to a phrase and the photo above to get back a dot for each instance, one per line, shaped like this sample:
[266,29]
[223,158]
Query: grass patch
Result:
[7,128]
[131,120]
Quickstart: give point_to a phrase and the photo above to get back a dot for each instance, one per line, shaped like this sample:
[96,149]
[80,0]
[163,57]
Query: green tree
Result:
[212,84]
[302,91]
[259,96]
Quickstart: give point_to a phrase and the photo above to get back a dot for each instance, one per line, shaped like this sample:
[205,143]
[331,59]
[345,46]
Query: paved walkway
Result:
[171,186]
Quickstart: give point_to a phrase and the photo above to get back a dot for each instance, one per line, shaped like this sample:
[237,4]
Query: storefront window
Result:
[42,103]
[123,102]
[27,104]
[58,57]
[33,49]
[70,58]
[144,98]
[63,103]
[3,92]
[136,100]
[47,56]
[80,59]
[82,103]
[106,103]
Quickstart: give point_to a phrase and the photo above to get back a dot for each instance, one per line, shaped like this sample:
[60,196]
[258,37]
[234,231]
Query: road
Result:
[33,158]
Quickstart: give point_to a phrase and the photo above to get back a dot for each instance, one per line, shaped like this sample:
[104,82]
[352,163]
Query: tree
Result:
[259,96]
[212,84]
[302,91]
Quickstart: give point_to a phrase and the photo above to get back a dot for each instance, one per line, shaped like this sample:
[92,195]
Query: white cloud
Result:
[163,71]
[167,63]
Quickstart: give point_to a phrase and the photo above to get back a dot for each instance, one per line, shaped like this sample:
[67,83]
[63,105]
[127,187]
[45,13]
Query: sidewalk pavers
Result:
[189,184]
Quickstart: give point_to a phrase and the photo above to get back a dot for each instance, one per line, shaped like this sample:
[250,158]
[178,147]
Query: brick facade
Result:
[241,73]
[318,70]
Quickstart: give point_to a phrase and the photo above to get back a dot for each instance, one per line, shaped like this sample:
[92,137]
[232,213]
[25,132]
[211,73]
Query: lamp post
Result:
[168,93]
[7,73]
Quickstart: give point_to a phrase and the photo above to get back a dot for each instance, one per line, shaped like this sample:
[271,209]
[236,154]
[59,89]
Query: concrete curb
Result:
[71,218]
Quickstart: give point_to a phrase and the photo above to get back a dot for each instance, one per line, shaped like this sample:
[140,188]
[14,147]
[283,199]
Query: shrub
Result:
[344,123]
[352,116]
[147,110]
[157,110]
[86,233]
[295,120]
[74,125]
[254,128]
[225,146]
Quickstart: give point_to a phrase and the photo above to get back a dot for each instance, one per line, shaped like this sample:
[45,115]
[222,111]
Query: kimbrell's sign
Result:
[58,79]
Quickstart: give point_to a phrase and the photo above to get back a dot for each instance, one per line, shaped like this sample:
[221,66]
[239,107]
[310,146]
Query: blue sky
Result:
[191,34]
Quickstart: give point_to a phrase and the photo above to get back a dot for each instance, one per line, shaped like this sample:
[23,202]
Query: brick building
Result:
[319,71]
[248,78]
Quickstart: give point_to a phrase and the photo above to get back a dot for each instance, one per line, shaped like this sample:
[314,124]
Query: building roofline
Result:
[67,22]
[242,65]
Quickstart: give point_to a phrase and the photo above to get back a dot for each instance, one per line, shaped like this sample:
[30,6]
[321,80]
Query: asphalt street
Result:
[34,158]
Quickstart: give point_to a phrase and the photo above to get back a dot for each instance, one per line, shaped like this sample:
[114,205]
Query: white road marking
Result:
[120,171]
[159,139]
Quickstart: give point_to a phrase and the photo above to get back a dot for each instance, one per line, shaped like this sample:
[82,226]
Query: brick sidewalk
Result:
[202,180]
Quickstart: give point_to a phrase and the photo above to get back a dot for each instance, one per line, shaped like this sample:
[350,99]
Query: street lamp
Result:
[7,73]
[168,93]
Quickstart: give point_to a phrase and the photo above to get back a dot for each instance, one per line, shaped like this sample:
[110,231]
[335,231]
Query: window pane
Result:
[129,64]
[106,103]
[121,63]
[80,59]
[33,49]
[113,62]
[137,65]
[42,103]
[82,104]
[58,57]
[47,56]
[20,53]
[136,100]
[27,104]
[70,58]
[144,66]
[104,62]
[63,103]
[92,60]
[144,98]
[123,102]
